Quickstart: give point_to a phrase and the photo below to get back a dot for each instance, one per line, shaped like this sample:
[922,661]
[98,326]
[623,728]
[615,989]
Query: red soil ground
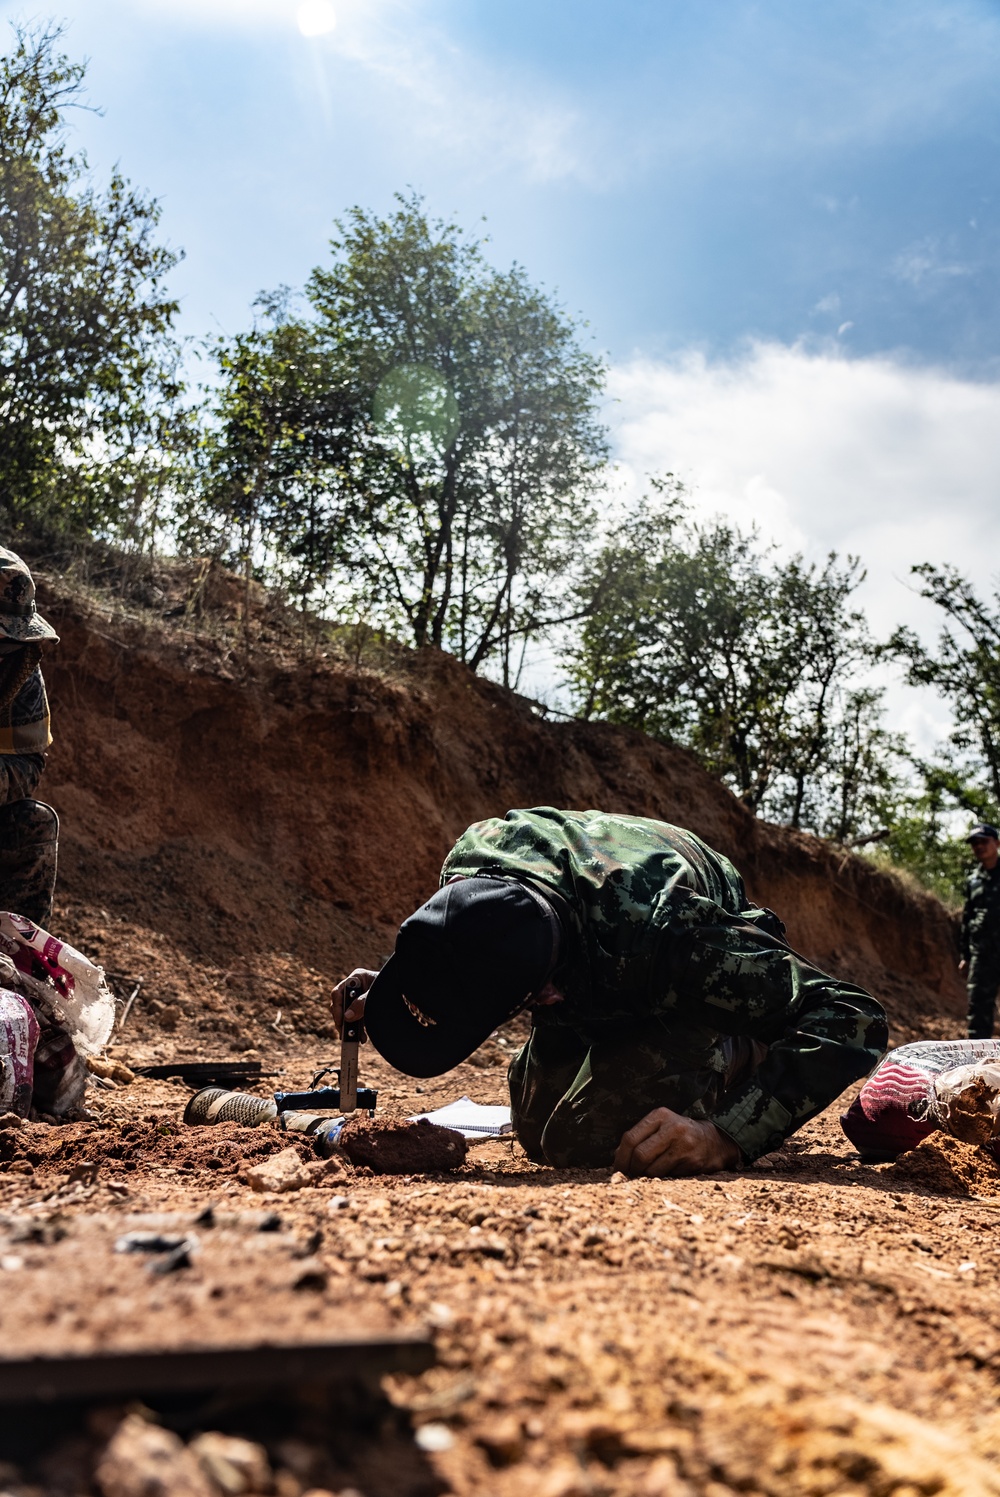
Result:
[238,837]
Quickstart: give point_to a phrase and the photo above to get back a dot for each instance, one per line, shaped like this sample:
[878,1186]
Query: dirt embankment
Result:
[811,1324]
[305,808]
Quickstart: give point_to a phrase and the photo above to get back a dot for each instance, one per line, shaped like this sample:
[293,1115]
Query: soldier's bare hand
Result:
[351,990]
[666,1143]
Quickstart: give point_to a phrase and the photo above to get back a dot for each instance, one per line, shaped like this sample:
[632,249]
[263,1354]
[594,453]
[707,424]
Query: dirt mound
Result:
[946,1166]
[256,828]
[143,1144]
[402,1148]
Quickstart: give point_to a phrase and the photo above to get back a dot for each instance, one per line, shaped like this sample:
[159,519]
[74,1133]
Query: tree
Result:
[476,447]
[699,634]
[922,829]
[277,430]
[89,386]
[965,670]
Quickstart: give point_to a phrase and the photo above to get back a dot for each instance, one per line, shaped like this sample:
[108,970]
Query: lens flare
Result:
[315,17]
[414,407]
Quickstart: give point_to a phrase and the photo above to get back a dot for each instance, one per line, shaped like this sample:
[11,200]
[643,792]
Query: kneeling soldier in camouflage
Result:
[672,1028]
[29,829]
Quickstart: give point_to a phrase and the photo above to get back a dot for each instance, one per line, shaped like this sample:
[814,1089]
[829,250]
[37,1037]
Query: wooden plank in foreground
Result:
[133,1373]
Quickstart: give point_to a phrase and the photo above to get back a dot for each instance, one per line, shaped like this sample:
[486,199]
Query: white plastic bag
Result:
[966,1102]
[81,992]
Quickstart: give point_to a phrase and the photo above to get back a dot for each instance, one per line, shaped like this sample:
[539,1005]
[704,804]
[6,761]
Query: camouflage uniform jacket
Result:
[981,914]
[24,724]
[659,927]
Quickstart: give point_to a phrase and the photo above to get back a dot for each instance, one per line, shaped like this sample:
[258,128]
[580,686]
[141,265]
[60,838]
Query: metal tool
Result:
[346,1097]
[351,1036]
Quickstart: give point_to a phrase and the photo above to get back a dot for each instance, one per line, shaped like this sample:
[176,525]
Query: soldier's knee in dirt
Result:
[27,823]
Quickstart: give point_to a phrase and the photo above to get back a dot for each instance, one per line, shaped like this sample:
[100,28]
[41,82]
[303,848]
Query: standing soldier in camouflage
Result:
[673,1030]
[29,829]
[981,931]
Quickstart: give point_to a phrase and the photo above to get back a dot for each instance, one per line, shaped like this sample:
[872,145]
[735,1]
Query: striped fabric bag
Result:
[896,1108]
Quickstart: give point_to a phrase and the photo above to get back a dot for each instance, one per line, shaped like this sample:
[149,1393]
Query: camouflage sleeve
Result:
[19,774]
[822,1033]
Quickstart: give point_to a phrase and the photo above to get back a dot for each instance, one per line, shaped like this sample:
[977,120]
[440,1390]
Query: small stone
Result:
[282,1172]
[110,1070]
[325,1171]
[618,1178]
[434,1438]
[312,1277]
[565,1478]
[661,1480]
[11,1120]
[234,1465]
[142,1460]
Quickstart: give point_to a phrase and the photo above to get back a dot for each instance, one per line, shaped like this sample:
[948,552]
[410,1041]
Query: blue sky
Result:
[781,219]
[685,172]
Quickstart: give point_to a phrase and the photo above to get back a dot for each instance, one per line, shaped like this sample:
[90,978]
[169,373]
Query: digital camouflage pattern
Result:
[29,855]
[666,963]
[29,830]
[981,948]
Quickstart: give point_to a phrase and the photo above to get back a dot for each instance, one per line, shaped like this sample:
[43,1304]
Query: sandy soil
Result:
[813,1325]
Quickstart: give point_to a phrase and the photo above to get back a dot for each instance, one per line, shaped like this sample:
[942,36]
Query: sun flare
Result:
[315,17]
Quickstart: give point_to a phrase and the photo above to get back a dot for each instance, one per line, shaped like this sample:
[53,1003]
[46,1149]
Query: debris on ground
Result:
[402,1148]
[948,1166]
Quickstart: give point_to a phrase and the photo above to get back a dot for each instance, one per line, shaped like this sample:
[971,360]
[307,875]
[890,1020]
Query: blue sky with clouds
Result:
[781,220]
[685,172]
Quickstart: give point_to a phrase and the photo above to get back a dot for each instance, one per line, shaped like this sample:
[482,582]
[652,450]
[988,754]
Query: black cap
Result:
[468,959]
[983,830]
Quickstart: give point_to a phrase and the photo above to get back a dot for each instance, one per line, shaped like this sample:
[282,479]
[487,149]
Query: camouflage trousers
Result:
[983,982]
[572,1098]
[29,846]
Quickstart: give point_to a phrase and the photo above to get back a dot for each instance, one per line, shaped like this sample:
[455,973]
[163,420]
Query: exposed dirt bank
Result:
[813,1325]
[305,808]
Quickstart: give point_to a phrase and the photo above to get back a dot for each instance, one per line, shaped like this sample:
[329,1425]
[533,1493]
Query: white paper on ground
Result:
[471,1118]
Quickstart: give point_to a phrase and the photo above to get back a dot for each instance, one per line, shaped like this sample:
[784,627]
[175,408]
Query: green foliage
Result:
[927,828]
[699,634]
[965,670]
[89,392]
[277,433]
[467,498]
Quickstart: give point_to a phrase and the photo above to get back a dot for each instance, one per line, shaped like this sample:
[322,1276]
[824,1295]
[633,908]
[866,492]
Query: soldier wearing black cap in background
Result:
[29,829]
[981,931]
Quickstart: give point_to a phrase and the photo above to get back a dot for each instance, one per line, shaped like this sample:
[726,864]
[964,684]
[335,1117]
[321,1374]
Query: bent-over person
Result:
[673,1030]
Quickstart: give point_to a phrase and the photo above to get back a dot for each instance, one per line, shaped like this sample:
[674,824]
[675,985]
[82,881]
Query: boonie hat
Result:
[983,830]
[466,961]
[19,618]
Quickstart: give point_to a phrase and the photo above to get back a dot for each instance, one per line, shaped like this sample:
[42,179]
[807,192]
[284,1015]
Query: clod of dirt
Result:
[233,1464]
[942,1165]
[110,1070]
[142,1459]
[132,1147]
[968,1108]
[402,1148]
[284,1171]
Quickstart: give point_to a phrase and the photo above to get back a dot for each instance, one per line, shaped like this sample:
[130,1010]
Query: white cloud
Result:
[864,456]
